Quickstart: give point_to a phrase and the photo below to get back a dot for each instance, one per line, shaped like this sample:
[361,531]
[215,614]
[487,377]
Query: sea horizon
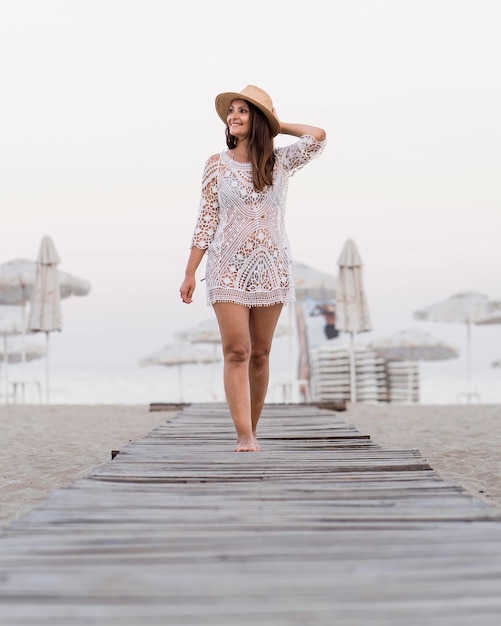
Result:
[130,384]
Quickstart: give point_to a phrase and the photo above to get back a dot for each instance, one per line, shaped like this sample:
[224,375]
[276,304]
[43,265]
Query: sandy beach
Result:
[47,447]
[461,442]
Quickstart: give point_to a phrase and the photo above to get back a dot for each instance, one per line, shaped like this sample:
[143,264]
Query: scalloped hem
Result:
[250,306]
[249,299]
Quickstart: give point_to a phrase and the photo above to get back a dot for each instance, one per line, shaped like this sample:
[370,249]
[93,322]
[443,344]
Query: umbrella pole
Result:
[23,351]
[303,374]
[5,367]
[353,379]
[47,370]
[410,382]
[468,355]
[180,378]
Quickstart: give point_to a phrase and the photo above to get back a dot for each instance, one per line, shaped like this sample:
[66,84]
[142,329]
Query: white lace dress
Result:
[248,256]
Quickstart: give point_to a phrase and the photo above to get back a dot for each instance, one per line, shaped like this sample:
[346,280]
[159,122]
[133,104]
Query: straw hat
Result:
[254,95]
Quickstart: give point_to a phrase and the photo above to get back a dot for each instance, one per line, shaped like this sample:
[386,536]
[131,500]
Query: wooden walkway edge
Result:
[323,527]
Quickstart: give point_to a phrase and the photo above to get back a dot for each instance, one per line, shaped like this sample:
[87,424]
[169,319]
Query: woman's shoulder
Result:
[211,168]
[213,159]
[212,162]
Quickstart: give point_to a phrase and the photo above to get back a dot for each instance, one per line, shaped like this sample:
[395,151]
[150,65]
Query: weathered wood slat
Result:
[321,527]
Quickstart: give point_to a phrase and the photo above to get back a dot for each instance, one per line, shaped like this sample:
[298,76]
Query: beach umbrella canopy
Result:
[17,351]
[17,278]
[13,352]
[207,331]
[413,345]
[16,281]
[312,283]
[352,312]
[10,324]
[464,307]
[494,317]
[178,354]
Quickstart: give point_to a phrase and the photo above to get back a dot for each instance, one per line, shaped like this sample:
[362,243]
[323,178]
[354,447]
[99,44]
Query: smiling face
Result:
[239,119]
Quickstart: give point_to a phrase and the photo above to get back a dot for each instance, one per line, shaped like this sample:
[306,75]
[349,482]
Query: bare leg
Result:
[233,322]
[263,321]
[246,336]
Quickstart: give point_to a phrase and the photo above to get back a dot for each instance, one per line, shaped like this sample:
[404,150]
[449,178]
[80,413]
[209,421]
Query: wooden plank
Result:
[323,526]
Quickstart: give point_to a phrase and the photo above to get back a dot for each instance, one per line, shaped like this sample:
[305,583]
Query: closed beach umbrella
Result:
[352,312]
[18,277]
[45,311]
[465,307]
[178,354]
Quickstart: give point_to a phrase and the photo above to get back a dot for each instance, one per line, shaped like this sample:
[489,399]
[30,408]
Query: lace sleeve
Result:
[208,214]
[298,154]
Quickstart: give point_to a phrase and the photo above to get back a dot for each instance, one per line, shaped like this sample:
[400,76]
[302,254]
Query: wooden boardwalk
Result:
[323,527]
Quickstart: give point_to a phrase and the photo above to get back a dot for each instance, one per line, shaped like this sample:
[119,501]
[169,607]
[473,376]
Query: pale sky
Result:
[107,117]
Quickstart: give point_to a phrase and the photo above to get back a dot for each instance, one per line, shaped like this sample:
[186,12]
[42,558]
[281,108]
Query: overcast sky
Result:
[107,117]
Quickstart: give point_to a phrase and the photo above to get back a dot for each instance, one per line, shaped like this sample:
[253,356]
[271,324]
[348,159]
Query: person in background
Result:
[241,226]
[329,313]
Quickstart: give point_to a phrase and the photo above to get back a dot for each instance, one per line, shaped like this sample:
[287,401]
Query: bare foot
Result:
[256,443]
[246,445]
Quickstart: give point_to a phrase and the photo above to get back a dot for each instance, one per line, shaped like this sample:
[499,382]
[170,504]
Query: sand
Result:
[45,448]
[461,442]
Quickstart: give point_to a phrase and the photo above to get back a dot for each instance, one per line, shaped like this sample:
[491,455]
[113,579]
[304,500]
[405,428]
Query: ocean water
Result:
[440,383]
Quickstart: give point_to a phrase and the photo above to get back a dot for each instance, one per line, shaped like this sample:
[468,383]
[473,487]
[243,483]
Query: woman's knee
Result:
[237,353]
[260,357]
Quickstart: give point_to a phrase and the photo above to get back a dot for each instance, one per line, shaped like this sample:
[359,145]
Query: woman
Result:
[241,225]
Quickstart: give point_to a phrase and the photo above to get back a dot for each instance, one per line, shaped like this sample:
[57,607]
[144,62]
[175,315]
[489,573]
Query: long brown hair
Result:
[259,147]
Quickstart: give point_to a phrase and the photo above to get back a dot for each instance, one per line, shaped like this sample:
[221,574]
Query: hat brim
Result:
[223,103]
